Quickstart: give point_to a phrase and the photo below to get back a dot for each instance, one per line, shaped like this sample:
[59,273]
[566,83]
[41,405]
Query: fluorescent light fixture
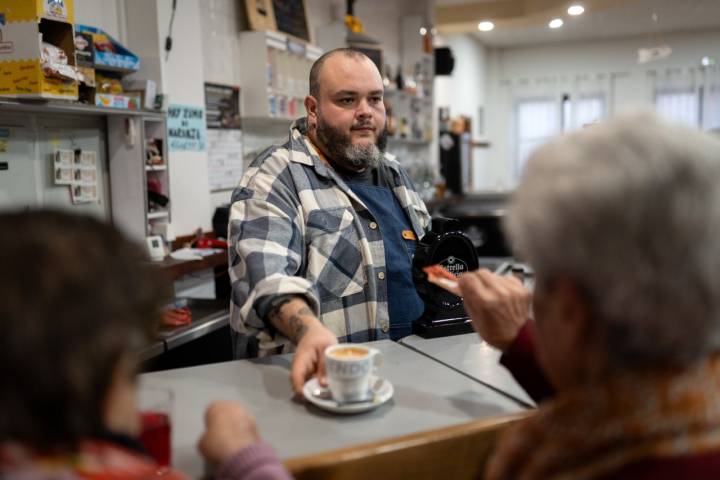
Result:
[486,26]
[423,31]
[575,10]
[556,23]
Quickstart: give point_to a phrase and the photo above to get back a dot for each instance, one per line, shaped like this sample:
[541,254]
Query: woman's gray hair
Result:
[629,210]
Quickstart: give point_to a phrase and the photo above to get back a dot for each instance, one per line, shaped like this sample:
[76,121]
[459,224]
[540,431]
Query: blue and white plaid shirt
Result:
[297,228]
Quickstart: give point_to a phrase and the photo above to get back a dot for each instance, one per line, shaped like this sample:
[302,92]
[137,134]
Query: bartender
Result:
[323,228]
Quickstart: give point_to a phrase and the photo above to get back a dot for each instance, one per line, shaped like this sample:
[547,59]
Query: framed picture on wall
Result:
[260,14]
[286,16]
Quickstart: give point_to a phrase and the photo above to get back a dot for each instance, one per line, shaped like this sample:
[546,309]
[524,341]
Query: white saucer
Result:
[381,388]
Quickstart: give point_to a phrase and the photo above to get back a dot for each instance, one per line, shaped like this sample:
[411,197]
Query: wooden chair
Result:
[457,452]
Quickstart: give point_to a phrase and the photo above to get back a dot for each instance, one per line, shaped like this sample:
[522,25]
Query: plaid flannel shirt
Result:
[297,228]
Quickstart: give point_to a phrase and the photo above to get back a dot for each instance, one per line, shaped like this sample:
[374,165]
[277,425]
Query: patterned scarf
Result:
[594,430]
[95,460]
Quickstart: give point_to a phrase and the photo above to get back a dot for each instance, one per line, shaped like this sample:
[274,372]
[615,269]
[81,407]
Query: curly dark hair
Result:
[77,296]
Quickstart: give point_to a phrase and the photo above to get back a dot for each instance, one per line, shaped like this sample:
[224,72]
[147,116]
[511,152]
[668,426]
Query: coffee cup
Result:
[349,367]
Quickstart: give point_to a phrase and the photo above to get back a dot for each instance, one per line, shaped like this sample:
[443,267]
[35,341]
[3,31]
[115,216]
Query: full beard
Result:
[339,147]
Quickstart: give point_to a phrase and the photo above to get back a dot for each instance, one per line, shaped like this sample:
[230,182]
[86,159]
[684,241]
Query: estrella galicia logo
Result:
[454,265]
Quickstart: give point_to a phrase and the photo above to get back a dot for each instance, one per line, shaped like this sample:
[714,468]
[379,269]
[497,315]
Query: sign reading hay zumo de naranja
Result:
[186,128]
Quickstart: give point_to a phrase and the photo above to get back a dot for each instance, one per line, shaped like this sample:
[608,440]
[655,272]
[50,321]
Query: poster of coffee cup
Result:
[88,159]
[63,167]
[84,193]
[86,176]
[349,368]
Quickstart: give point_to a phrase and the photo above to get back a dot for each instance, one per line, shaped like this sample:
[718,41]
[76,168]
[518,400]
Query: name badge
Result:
[409,235]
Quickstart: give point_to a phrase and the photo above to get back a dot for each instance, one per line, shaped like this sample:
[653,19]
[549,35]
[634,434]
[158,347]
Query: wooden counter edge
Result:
[458,451]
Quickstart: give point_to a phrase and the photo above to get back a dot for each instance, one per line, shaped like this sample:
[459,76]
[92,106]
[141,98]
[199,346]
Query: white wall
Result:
[463,91]
[106,14]
[630,86]
[183,81]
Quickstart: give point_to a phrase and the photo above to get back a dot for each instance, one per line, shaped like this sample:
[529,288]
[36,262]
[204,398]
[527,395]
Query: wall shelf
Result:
[59,106]
[154,215]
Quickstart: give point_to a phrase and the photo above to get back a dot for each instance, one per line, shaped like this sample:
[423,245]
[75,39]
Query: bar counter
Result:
[428,395]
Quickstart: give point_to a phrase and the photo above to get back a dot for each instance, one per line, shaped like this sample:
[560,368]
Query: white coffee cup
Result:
[349,368]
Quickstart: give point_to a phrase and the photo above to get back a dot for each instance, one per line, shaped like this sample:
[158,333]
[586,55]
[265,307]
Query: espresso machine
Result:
[445,245]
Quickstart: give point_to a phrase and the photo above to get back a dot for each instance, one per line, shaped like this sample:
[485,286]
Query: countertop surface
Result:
[427,395]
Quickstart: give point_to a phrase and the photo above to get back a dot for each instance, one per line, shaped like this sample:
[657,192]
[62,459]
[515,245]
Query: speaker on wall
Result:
[444,61]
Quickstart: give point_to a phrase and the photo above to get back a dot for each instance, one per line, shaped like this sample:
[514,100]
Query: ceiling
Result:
[524,22]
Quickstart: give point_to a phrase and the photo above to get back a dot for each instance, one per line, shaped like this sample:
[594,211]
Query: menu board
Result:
[291,18]
[224,137]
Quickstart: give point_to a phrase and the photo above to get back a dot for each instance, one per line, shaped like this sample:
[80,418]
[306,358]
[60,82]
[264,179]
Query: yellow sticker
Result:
[409,235]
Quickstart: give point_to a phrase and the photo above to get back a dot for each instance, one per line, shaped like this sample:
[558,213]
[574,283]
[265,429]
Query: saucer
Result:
[381,389]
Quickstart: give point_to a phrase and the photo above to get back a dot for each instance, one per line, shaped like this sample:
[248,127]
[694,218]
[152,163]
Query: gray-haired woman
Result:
[621,223]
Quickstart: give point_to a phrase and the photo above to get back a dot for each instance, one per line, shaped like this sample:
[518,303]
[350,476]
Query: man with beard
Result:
[323,228]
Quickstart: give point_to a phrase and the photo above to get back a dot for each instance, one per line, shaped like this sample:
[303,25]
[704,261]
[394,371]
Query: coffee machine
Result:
[445,245]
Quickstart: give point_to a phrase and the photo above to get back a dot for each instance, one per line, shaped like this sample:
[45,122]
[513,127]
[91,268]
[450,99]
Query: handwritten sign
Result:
[186,128]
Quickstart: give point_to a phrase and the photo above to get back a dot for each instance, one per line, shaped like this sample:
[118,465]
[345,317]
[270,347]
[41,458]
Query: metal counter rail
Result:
[171,338]
[195,330]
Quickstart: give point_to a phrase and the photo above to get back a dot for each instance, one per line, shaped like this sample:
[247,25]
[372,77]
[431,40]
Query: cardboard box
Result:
[84,51]
[128,102]
[109,54]
[145,87]
[24,26]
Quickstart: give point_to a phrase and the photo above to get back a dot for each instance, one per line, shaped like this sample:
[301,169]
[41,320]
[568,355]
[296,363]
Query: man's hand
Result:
[228,429]
[498,306]
[309,356]
[295,320]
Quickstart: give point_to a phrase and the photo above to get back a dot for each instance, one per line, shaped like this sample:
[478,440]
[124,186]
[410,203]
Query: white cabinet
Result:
[137,148]
[274,72]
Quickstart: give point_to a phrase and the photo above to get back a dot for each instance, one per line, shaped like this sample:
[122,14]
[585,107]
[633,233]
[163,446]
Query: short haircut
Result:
[316,68]
[629,210]
[77,295]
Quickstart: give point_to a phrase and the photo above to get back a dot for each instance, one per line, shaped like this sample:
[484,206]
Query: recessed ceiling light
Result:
[423,31]
[556,23]
[576,10]
[486,26]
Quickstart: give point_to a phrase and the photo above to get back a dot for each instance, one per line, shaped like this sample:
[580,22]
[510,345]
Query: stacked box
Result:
[24,26]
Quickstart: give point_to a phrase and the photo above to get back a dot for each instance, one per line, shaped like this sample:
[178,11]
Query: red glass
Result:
[155,436]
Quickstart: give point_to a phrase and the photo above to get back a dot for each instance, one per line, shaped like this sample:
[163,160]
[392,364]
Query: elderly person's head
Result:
[77,303]
[621,222]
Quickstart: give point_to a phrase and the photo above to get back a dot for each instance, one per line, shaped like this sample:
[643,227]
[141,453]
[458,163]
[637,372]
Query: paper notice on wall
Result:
[78,170]
[186,128]
[225,158]
[63,171]
[85,176]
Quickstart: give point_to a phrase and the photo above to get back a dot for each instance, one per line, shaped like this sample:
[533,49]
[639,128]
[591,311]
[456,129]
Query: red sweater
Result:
[520,359]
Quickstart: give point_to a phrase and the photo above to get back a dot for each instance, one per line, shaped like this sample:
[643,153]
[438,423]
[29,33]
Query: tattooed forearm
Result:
[274,312]
[292,317]
[296,324]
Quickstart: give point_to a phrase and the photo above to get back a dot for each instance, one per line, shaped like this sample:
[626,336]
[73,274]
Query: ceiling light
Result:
[486,26]
[576,10]
[556,23]
[423,31]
